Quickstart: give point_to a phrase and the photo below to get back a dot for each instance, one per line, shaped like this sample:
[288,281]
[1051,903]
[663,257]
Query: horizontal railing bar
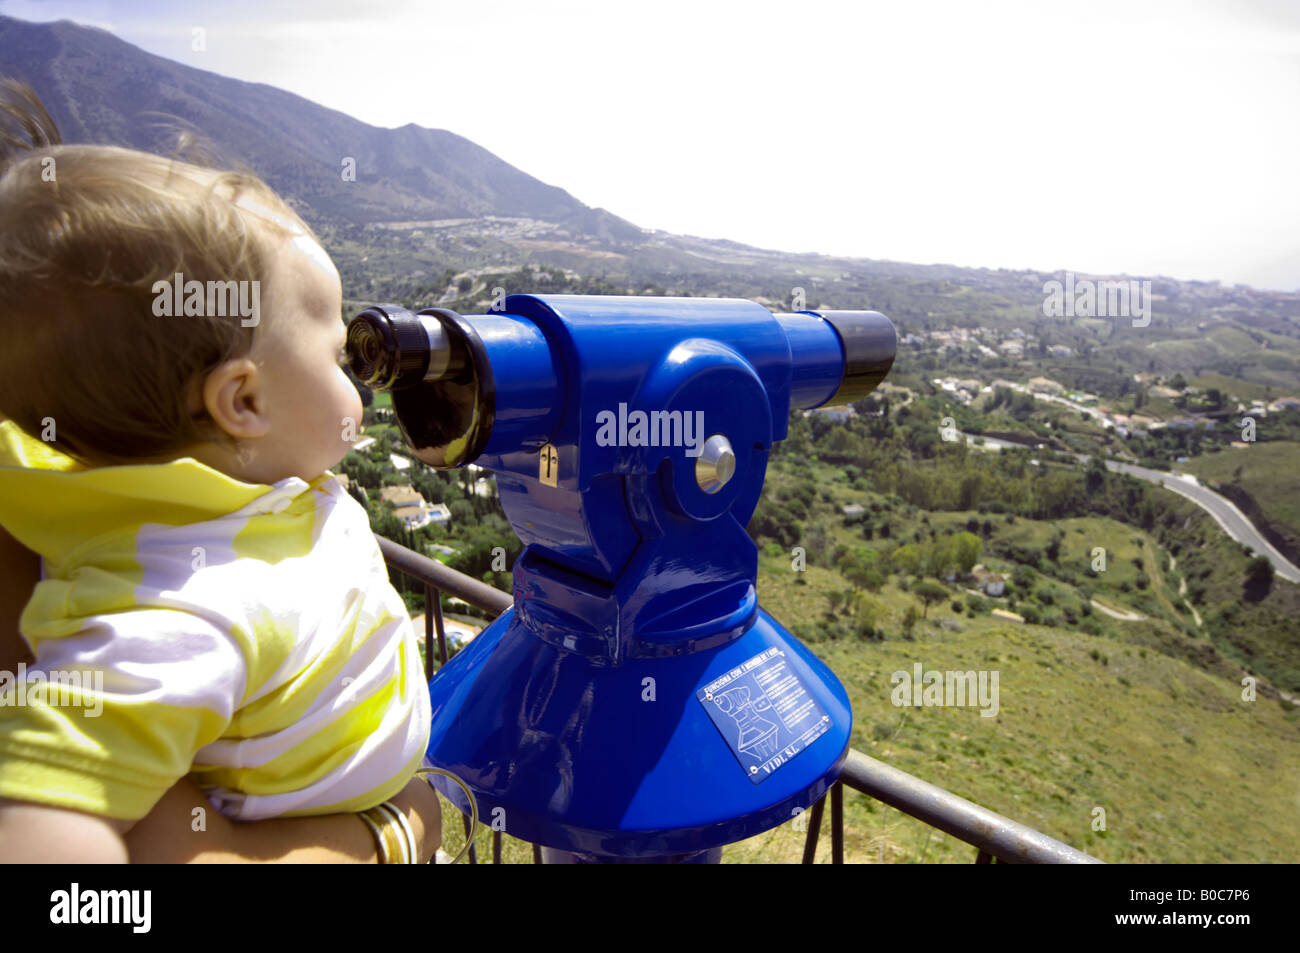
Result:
[1002,837]
[455,583]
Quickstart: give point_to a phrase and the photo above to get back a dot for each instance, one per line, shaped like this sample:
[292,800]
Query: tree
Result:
[937,557]
[866,613]
[1259,572]
[859,567]
[929,592]
[966,551]
[1053,548]
[906,557]
[462,512]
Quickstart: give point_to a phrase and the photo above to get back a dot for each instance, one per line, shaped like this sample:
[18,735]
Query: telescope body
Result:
[636,703]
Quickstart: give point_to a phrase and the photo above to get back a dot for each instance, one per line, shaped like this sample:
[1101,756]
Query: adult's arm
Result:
[184,828]
[169,835]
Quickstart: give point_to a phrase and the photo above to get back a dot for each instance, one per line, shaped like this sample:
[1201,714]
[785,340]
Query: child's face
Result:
[314,409]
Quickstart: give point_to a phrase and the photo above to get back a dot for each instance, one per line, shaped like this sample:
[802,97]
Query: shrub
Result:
[1260,571]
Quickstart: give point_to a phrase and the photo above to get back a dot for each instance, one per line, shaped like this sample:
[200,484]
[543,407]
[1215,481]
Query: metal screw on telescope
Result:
[716,464]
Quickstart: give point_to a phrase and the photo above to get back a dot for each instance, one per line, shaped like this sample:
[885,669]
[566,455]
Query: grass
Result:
[1072,734]
[1243,390]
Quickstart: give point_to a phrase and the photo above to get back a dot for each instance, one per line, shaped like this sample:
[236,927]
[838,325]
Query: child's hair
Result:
[85,232]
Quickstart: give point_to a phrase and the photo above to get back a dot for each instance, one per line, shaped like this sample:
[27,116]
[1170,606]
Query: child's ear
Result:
[235,397]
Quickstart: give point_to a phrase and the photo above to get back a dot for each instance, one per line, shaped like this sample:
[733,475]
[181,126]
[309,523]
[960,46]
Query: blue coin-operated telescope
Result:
[636,703]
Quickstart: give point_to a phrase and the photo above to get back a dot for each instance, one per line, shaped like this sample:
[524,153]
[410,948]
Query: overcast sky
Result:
[1134,137]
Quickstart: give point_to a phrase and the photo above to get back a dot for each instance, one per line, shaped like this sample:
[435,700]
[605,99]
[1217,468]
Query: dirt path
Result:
[1157,578]
[1121,614]
[1182,591]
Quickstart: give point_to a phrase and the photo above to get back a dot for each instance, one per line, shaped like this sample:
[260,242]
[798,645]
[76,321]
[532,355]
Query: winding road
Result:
[1225,513]
[1230,519]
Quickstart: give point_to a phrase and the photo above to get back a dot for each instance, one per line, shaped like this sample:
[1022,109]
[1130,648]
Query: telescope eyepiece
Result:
[389,348]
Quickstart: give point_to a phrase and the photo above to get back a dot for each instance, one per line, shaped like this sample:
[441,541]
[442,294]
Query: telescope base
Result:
[645,759]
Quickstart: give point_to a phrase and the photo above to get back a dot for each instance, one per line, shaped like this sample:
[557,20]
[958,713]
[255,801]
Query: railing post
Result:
[814,829]
[429,596]
[473,851]
[837,823]
[441,626]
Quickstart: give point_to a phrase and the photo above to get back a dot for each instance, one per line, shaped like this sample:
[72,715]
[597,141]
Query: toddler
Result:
[212,602]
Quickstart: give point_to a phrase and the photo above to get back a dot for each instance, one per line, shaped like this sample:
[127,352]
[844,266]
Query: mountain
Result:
[101,89]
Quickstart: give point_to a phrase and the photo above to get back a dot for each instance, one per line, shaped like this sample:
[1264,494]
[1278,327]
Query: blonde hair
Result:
[85,233]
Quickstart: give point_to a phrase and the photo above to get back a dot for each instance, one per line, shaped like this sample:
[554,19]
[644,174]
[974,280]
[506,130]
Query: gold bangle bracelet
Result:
[390,842]
[402,827]
[381,850]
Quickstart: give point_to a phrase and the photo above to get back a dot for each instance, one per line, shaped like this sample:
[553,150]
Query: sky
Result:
[1140,137]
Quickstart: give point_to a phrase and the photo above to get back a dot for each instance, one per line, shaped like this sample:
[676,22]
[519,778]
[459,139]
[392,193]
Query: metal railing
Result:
[994,837]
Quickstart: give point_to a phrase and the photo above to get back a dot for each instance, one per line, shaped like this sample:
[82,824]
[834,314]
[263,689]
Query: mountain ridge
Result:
[101,89]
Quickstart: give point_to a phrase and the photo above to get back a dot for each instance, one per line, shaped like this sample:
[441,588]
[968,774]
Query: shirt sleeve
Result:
[109,717]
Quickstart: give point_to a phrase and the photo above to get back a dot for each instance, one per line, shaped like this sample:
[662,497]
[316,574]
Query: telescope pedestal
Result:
[641,760]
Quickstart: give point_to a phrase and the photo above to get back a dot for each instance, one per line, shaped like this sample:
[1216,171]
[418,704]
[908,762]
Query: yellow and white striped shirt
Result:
[244,634]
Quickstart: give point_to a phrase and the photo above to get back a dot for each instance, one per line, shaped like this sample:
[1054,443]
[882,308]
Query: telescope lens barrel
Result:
[870,344]
[838,356]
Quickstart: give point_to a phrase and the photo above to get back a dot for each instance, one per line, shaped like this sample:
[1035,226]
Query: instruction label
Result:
[764,712]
